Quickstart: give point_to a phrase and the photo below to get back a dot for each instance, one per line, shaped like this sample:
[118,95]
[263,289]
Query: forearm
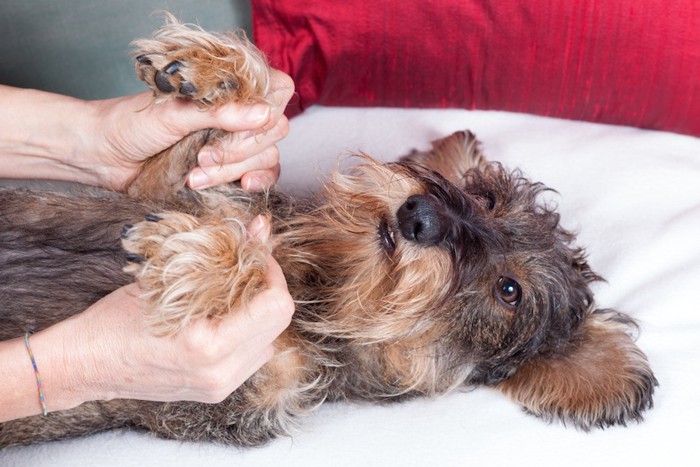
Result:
[43,136]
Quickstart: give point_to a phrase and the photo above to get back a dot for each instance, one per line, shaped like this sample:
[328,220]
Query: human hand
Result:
[128,130]
[113,355]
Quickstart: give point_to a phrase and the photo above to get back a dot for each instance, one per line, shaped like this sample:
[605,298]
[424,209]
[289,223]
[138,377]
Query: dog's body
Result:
[411,279]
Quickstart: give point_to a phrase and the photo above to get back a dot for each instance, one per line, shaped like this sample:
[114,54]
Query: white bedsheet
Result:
[634,198]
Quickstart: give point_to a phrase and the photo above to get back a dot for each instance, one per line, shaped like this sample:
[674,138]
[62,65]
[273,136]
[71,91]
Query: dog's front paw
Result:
[189,268]
[185,61]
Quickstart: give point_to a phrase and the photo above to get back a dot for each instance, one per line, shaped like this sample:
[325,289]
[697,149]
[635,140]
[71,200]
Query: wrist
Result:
[62,371]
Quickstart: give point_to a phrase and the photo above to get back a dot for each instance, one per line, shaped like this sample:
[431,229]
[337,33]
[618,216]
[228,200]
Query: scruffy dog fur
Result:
[438,272]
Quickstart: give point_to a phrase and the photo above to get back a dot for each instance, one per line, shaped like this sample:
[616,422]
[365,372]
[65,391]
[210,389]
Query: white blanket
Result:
[634,198]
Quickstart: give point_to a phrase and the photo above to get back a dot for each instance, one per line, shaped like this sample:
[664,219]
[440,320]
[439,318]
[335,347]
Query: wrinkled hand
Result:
[204,362]
[129,130]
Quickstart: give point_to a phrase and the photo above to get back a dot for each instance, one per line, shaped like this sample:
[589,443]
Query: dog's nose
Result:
[422,220]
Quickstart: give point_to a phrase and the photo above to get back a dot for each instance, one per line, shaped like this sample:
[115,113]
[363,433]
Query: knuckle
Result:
[282,306]
[201,347]
[284,82]
[214,387]
[272,156]
[282,128]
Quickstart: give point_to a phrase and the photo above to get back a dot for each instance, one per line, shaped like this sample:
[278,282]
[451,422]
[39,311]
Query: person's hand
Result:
[116,356]
[130,129]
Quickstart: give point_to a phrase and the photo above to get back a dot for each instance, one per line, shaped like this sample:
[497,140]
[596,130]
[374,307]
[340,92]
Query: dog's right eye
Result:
[488,199]
[508,291]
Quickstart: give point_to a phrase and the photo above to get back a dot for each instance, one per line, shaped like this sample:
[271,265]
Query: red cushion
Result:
[632,62]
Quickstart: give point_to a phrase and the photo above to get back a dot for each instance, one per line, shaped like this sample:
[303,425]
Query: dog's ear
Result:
[600,379]
[451,157]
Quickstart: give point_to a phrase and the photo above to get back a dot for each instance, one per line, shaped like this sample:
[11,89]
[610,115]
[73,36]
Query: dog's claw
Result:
[144,60]
[172,67]
[231,84]
[125,230]
[152,218]
[134,258]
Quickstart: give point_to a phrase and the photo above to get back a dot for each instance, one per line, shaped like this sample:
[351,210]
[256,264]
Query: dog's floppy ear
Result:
[451,157]
[600,379]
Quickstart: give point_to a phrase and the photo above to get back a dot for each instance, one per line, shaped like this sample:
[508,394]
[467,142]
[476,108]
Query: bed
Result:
[633,197]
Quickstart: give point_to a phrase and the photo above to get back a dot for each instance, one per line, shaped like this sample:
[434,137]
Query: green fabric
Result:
[81,47]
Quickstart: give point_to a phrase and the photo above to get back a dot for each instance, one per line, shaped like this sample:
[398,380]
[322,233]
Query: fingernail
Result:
[209,158]
[255,113]
[198,179]
[252,183]
[259,227]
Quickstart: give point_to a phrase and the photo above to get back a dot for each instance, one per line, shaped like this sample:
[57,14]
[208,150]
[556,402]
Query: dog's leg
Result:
[183,61]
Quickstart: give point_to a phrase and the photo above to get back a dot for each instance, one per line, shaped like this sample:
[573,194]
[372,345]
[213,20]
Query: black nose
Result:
[422,220]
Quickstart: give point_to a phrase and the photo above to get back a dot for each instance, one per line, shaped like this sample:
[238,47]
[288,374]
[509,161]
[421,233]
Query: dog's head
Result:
[445,269]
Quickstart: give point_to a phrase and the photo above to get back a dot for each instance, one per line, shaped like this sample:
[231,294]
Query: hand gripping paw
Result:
[190,268]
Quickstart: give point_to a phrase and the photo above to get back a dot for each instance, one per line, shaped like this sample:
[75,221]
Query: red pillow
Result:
[631,62]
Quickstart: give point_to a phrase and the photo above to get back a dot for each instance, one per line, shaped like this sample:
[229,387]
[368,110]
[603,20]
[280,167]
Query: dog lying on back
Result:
[415,278]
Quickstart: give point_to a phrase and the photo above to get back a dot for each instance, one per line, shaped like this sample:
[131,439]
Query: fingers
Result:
[244,342]
[234,117]
[256,154]
[259,228]
[268,313]
[259,180]
[253,159]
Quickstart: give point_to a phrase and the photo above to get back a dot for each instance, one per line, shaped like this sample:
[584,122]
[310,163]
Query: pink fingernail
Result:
[198,179]
[209,158]
[259,227]
[253,184]
[255,113]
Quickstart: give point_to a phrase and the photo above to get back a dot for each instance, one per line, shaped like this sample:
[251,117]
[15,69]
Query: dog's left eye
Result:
[508,291]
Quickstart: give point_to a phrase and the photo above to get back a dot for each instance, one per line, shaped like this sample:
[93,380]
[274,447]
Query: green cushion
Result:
[81,48]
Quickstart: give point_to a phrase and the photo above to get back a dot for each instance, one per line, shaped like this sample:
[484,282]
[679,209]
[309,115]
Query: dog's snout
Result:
[422,220]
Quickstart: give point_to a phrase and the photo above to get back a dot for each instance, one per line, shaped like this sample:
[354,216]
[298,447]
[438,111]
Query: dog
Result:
[439,272]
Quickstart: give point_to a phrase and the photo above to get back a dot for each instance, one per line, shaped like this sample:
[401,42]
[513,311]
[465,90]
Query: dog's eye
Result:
[488,198]
[508,291]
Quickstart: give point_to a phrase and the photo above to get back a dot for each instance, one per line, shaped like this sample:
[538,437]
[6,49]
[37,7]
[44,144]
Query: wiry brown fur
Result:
[411,279]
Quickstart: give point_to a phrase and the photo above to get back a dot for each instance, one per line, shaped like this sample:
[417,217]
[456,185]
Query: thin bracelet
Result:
[36,373]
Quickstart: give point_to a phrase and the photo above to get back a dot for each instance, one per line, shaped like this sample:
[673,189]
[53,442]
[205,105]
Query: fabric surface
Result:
[632,195]
[627,62]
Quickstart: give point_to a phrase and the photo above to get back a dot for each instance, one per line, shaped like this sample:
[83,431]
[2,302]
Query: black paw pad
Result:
[163,82]
[187,89]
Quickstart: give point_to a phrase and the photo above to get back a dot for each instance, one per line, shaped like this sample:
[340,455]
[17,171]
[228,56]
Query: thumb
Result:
[232,117]
[259,228]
